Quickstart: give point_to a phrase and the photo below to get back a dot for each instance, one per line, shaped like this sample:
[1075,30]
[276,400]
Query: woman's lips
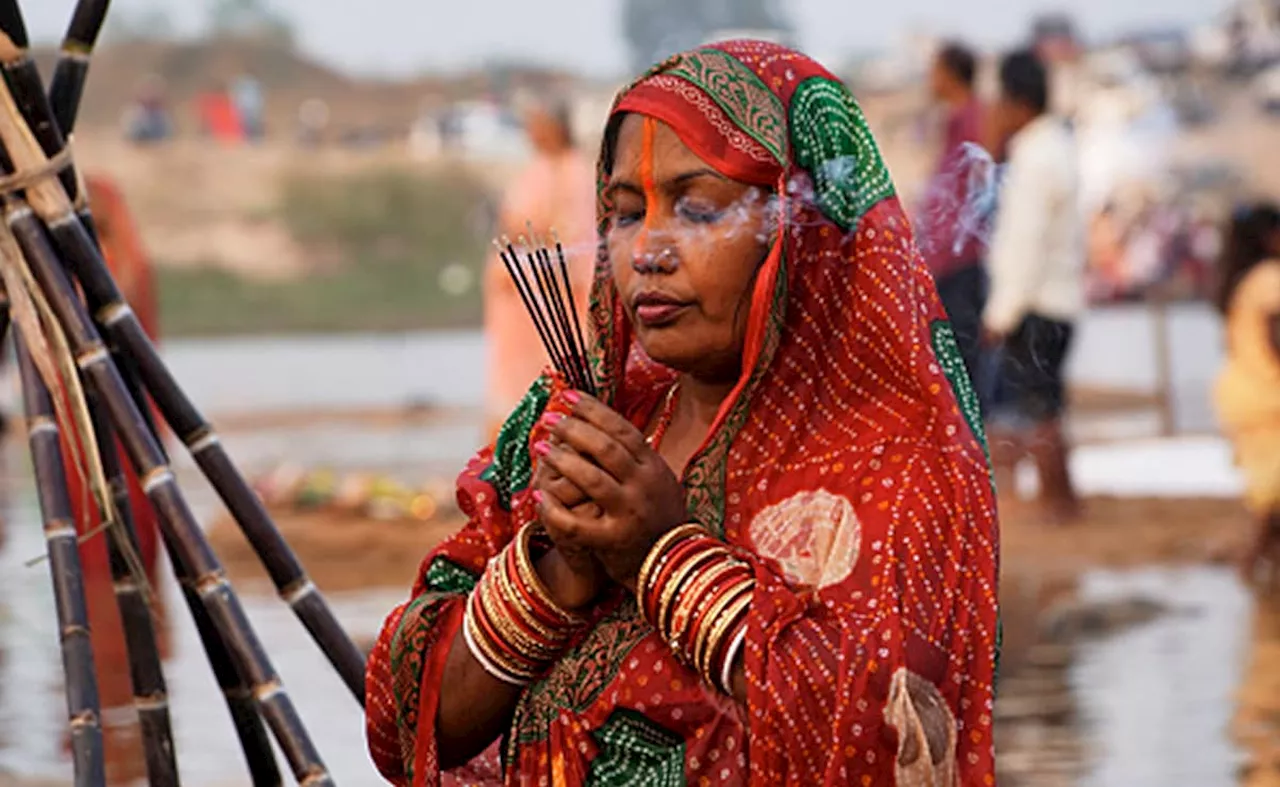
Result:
[654,309]
[653,315]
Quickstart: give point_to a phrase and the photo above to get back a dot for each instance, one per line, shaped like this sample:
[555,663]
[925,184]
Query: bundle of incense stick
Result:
[550,304]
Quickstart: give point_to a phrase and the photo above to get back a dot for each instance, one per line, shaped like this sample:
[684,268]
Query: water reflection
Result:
[1257,722]
[1156,699]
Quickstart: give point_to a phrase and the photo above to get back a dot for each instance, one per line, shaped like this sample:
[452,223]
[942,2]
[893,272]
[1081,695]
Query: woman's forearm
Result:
[475,707]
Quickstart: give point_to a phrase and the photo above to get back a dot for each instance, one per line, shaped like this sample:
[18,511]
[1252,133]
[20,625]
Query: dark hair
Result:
[1252,237]
[959,61]
[1023,79]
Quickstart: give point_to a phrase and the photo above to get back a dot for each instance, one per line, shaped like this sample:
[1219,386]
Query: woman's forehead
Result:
[663,153]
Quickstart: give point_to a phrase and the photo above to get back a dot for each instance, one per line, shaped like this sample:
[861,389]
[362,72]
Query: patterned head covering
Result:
[847,464]
[850,456]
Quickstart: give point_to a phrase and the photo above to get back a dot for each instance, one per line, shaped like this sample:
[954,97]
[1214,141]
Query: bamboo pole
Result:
[83,712]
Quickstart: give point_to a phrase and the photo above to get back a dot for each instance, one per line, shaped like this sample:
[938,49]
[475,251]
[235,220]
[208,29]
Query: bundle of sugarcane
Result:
[86,364]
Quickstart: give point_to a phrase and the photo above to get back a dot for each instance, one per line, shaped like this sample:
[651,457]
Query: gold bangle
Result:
[509,590]
[710,632]
[673,587]
[690,600]
[490,652]
[480,653]
[529,575]
[722,628]
[660,548]
[518,640]
[708,617]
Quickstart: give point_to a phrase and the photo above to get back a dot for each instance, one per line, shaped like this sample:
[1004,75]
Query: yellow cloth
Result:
[1247,394]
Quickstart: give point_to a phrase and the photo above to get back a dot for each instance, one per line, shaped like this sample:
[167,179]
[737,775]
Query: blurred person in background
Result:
[1247,393]
[1037,267]
[952,229]
[146,120]
[555,191]
[130,267]
[250,104]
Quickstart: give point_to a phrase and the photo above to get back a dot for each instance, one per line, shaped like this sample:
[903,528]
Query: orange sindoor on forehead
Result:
[649,131]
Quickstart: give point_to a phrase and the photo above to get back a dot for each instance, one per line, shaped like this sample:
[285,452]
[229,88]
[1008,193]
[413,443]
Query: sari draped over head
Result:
[847,466]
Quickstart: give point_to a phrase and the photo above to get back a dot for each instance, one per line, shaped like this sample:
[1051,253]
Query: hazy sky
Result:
[398,36]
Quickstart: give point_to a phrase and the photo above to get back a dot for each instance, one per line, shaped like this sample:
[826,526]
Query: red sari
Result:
[849,460]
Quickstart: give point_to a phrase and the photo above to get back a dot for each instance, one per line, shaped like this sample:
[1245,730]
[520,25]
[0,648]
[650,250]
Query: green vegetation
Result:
[389,250]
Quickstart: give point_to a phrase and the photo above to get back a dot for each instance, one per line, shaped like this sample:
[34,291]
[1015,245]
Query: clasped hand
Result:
[604,495]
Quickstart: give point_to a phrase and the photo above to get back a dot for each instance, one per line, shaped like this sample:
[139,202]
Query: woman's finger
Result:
[562,524]
[583,512]
[595,482]
[548,479]
[594,443]
[611,422]
[563,489]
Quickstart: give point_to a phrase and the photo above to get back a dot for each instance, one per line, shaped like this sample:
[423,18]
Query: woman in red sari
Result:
[768,553]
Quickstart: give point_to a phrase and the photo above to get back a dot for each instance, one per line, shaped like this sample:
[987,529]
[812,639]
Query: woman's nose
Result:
[654,252]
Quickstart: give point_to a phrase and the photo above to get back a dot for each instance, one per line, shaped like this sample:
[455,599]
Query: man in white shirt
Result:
[1036,263]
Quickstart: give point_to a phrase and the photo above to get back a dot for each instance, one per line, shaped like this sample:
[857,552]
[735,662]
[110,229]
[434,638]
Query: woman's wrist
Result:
[566,587]
[696,595]
[513,625]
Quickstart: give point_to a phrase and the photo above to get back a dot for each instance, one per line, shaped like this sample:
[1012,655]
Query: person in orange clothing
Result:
[129,265]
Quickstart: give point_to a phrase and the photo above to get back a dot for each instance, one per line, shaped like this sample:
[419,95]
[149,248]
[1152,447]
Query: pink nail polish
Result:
[551,419]
[542,448]
[572,397]
[537,496]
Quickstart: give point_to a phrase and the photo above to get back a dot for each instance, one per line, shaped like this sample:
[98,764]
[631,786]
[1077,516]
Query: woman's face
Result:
[684,245]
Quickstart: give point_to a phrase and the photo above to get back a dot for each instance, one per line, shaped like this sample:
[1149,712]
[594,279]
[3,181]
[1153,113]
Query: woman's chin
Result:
[667,349]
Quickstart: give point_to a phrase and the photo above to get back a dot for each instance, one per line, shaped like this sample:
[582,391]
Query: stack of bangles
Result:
[695,594]
[512,626]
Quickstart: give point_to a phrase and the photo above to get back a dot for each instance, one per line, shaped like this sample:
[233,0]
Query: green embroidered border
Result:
[580,676]
[744,97]
[416,631]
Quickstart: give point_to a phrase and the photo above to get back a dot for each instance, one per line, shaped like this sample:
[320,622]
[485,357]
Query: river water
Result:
[1157,699]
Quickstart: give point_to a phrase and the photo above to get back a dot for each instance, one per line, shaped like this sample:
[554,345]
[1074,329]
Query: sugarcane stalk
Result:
[23,80]
[67,85]
[83,711]
[250,731]
[177,522]
[150,694]
[122,328]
